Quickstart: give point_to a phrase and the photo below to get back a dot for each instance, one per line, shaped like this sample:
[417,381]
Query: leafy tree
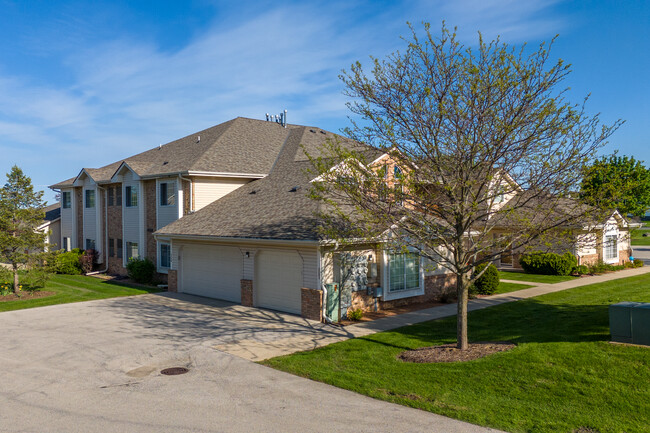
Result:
[21,212]
[617,182]
[486,151]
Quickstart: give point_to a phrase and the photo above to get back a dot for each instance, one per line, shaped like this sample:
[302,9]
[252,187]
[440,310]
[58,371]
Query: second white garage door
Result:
[278,280]
[212,271]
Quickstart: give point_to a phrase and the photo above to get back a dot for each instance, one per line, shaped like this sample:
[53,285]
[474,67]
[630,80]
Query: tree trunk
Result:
[462,289]
[15,268]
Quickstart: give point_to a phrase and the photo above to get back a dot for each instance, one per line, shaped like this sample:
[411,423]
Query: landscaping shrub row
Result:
[567,264]
[548,263]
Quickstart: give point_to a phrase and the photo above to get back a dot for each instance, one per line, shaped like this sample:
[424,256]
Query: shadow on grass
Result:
[146,288]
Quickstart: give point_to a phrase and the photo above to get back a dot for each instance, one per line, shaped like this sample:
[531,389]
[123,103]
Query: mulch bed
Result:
[24,296]
[450,353]
[374,315]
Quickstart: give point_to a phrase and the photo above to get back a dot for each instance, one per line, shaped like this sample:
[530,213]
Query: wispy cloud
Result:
[128,95]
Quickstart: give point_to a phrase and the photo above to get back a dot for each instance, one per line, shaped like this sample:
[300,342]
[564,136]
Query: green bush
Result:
[140,270]
[68,263]
[36,278]
[582,270]
[548,263]
[487,283]
[355,314]
[638,263]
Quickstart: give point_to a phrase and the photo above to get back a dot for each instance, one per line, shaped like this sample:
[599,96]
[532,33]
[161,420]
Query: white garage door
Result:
[278,279]
[212,271]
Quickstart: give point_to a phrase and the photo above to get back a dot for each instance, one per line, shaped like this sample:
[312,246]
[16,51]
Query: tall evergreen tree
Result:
[21,212]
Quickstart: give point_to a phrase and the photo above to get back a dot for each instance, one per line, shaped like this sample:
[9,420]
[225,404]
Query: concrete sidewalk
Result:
[255,350]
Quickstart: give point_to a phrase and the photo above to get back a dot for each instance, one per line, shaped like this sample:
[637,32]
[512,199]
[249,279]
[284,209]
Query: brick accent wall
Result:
[311,304]
[114,233]
[172,281]
[78,193]
[623,256]
[149,187]
[435,288]
[589,259]
[246,292]
[186,197]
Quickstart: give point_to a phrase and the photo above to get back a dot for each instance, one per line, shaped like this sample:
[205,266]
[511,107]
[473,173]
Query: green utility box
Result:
[333,307]
[641,324]
[620,321]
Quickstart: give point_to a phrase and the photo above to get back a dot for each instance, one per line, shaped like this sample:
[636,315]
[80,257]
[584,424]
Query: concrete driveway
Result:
[94,367]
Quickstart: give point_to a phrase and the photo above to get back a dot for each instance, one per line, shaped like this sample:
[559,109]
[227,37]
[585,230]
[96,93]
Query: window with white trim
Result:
[167,192]
[90,198]
[130,196]
[66,199]
[131,251]
[165,255]
[90,244]
[404,272]
[611,247]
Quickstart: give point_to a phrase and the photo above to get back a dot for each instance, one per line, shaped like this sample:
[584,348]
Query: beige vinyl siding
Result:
[209,189]
[309,268]
[67,216]
[54,238]
[166,214]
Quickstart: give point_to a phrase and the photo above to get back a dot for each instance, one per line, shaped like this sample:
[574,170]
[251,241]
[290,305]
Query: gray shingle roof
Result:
[275,207]
[52,212]
[241,146]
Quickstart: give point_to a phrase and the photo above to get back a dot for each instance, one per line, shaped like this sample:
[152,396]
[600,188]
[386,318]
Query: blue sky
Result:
[83,84]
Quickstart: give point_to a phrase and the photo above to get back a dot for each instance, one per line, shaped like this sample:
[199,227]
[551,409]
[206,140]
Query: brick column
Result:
[246,292]
[311,304]
[172,280]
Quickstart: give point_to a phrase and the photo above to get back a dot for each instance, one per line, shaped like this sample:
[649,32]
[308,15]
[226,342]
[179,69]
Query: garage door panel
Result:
[212,271]
[278,279]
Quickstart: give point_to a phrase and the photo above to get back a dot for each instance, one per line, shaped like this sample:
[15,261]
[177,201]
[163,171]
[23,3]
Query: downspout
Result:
[191,207]
[105,231]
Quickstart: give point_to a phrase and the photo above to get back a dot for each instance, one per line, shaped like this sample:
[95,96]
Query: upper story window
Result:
[118,196]
[66,199]
[167,193]
[130,196]
[90,198]
[111,196]
[397,172]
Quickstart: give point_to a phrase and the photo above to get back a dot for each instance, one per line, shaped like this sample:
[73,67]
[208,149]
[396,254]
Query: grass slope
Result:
[534,278]
[76,288]
[563,376]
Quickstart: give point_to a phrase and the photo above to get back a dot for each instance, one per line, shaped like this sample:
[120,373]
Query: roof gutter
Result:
[191,207]
[165,236]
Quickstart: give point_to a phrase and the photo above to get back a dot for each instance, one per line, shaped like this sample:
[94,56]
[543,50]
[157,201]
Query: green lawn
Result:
[510,287]
[534,278]
[563,375]
[638,239]
[76,288]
